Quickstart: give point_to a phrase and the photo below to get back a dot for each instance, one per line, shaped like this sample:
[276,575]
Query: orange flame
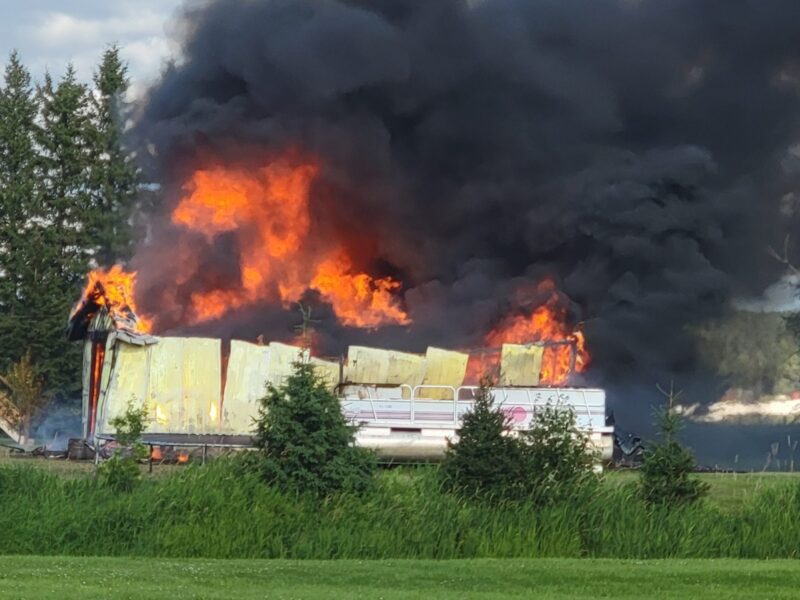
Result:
[278,257]
[565,347]
[114,289]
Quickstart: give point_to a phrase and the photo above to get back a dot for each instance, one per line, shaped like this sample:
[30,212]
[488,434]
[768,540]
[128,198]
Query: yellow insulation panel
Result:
[444,367]
[328,370]
[165,400]
[128,383]
[383,367]
[520,364]
[281,359]
[177,378]
[245,384]
[201,385]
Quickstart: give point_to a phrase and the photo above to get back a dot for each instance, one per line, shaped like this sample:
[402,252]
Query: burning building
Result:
[408,405]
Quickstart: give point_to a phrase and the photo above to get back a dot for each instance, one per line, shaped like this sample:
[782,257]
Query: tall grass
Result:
[218,511]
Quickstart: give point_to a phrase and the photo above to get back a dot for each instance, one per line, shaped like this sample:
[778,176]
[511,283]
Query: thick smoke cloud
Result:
[635,151]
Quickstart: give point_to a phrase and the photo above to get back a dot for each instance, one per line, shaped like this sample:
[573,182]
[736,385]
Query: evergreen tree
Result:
[558,457]
[552,462]
[666,476]
[113,175]
[66,139]
[486,460]
[54,276]
[305,442]
[20,208]
[66,188]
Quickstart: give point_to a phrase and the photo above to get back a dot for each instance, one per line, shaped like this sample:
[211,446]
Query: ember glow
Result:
[278,255]
[565,347]
[114,289]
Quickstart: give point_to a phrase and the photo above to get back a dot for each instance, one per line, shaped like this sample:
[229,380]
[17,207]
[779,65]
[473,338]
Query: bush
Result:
[305,443]
[121,472]
[547,464]
[667,467]
[558,457]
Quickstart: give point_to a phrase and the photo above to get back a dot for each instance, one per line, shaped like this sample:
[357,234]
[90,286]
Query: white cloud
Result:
[59,29]
[50,34]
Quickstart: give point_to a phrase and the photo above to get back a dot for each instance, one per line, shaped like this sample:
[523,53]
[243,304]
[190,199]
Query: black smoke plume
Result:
[635,151]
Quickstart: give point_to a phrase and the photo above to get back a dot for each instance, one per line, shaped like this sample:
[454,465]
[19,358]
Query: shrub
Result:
[667,467]
[558,457]
[486,460]
[24,399]
[121,472]
[304,440]
[546,464]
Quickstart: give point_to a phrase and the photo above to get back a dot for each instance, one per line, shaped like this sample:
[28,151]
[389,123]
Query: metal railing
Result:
[463,396]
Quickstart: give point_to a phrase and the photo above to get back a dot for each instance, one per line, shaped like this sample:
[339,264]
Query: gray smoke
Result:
[634,151]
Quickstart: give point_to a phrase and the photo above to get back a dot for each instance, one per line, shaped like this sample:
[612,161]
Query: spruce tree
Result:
[114,176]
[305,443]
[20,207]
[486,461]
[666,476]
[63,237]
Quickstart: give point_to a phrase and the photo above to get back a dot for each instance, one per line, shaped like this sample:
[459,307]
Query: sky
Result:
[50,33]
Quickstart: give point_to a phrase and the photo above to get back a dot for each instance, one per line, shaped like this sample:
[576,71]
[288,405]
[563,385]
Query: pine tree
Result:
[114,177]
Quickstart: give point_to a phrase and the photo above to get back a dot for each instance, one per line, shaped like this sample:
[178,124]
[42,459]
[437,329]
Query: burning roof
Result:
[108,303]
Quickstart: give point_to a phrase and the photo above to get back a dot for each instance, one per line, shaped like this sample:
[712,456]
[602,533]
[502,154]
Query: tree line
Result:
[67,193]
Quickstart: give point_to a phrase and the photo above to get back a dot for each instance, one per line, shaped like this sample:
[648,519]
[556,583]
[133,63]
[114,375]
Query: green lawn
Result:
[80,578]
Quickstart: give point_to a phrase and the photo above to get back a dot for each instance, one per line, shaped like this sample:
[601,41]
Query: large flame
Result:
[278,257]
[565,346]
[114,289]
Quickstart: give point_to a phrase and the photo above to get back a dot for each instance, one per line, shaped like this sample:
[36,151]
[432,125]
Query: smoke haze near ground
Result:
[640,153]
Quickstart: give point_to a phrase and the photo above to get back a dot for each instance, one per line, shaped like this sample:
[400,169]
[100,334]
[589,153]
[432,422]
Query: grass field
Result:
[79,578]
[58,508]
[728,490]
